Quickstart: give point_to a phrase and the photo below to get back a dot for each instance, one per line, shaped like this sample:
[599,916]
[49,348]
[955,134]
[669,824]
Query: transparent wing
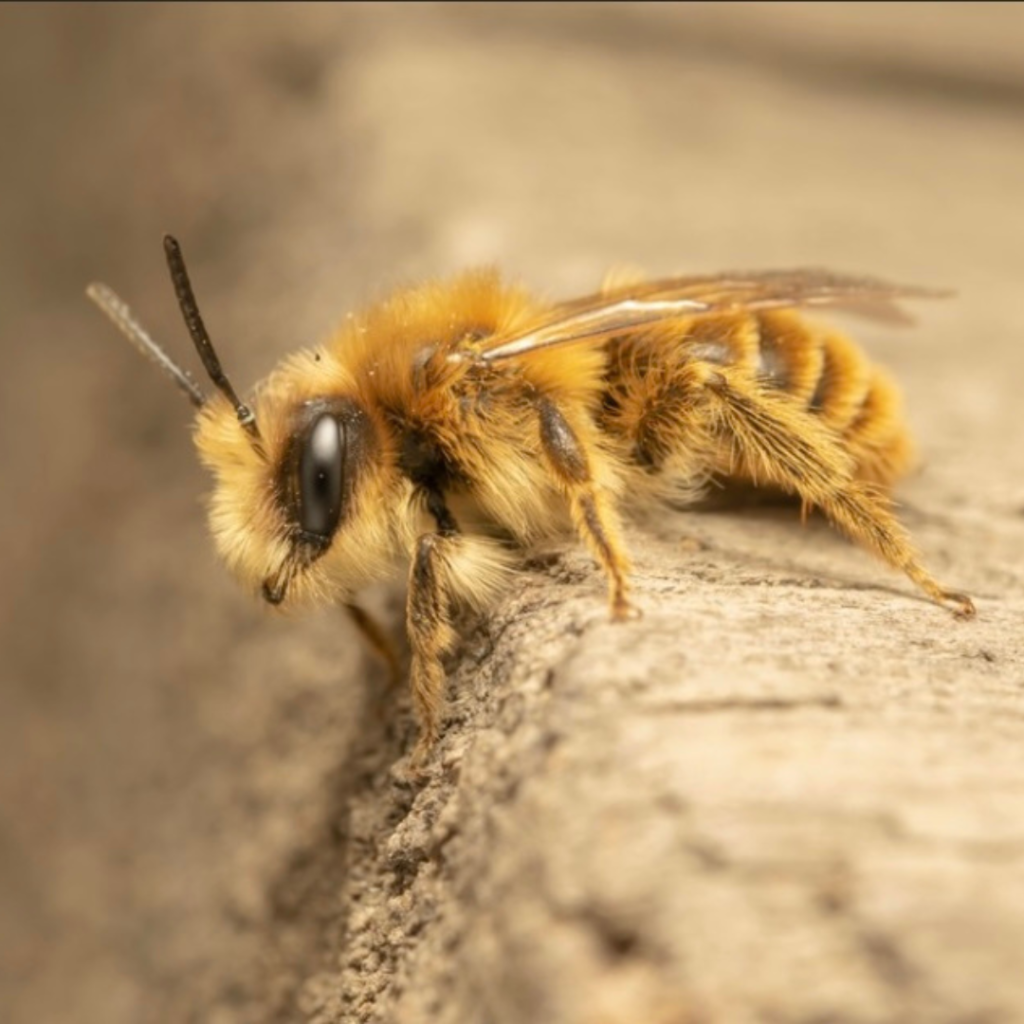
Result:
[633,306]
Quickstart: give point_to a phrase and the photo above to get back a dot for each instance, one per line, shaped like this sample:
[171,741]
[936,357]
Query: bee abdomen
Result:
[833,378]
[877,436]
[652,404]
[790,355]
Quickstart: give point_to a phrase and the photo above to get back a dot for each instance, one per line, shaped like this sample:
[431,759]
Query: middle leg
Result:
[592,513]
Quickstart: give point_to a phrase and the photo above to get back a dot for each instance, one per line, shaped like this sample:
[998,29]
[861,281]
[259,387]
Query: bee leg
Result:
[592,514]
[377,638]
[428,619]
[788,447]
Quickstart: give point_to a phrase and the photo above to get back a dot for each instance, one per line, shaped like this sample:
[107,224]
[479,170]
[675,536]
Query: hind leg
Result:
[782,444]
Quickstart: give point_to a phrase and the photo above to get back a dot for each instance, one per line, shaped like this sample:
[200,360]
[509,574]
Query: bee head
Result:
[290,516]
[295,473]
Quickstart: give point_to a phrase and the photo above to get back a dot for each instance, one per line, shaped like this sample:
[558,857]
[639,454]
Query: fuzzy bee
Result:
[453,424]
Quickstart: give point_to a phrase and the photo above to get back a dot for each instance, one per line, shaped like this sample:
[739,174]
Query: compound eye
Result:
[321,476]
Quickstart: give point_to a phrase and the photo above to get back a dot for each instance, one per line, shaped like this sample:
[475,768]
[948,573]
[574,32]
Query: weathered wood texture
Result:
[792,792]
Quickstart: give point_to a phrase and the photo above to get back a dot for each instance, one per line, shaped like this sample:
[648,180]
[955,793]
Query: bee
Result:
[452,425]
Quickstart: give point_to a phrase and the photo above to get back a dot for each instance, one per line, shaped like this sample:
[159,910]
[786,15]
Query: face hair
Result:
[194,323]
[124,320]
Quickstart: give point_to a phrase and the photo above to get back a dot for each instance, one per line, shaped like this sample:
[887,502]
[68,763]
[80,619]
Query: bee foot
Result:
[963,605]
[414,771]
[425,746]
[625,611]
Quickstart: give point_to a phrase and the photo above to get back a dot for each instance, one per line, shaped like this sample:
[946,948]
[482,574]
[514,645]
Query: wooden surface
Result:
[793,792]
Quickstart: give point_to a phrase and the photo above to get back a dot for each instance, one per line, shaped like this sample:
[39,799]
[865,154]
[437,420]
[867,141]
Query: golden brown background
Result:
[175,765]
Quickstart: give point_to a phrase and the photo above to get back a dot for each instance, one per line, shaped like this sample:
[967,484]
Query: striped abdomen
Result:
[653,395]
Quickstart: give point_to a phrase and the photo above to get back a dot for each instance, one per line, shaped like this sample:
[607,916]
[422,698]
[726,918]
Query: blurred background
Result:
[170,756]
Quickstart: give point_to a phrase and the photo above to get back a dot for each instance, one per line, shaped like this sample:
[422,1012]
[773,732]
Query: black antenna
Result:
[194,323]
[123,318]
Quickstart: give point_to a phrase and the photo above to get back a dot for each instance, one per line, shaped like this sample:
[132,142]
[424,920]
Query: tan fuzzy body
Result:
[443,430]
[636,402]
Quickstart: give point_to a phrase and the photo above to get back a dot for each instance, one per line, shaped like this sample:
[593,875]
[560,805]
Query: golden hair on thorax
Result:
[452,425]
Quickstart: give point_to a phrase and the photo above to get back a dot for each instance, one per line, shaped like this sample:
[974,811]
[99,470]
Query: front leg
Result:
[428,620]
[592,512]
[377,638]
